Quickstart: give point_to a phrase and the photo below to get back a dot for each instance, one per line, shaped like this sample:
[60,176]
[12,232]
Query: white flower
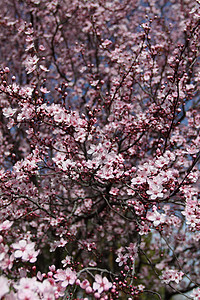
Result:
[31,63]
[9,112]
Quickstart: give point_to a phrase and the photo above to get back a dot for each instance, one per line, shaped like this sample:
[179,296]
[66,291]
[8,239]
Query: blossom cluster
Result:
[99,149]
[169,275]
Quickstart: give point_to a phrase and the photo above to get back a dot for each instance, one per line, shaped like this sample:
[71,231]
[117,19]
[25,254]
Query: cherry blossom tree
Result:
[99,149]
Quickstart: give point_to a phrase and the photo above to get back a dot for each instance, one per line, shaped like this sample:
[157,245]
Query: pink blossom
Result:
[133,250]
[101,284]
[106,43]
[169,275]
[10,296]
[44,90]
[27,294]
[97,295]
[138,180]
[195,294]
[5,225]
[99,148]
[121,259]
[31,255]
[31,63]
[27,283]
[9,112]
[114,191]
[144,229]
[25,250]
[7,261]
[4,286]
[66,261]
[66,276]
[62,243]
[155,217]
[3,251]
[155,191]
[84,284]
[47,290]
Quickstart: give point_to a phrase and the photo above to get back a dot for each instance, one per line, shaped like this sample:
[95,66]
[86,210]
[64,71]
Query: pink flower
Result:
[169,275]
[84,284]
[4,286]
[155,190]
[155,217]
[7,261]
[62,243]
[47,290]
[5,225]
[106,43]
[97,295]
[121,259]
[138,180]
[31,256]
[26,284]
[66,276]
[21,248]
[44,90]
[31,63]
[25,251]
[133,250]
[101,284]
[114,191]
[66,261]
[27,295]
[195,294]
[9,112]
[10,296]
